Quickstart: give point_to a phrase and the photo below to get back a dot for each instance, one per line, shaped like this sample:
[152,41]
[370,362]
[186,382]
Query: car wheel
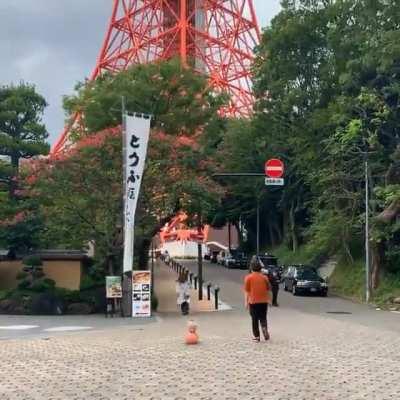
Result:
[324,294]
[294,290]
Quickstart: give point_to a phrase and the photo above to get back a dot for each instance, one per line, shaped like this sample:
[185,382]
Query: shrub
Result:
[32,261]
[88,282]
[22,275]
[25,284]
[4,294]
[42,286]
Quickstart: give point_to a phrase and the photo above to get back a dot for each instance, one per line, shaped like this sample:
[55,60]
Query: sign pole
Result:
[367,266]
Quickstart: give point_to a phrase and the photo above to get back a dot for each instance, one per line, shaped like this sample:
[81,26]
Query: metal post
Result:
[200,271]
[191,277]
[367,266]
[195,282]
[216,291]
[258,225]
[209,291]
[152,267]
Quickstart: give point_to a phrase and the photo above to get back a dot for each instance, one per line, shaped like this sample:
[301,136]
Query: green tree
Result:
[327,95]
[22,133]
[81,194]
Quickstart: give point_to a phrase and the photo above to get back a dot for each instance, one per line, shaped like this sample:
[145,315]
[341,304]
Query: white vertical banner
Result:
[137,130]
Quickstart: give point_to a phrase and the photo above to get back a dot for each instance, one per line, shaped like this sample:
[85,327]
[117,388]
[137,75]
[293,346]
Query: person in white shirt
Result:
[183,287]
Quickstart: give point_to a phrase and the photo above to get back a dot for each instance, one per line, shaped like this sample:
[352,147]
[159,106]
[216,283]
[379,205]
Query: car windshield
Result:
[269,261]
[307,275]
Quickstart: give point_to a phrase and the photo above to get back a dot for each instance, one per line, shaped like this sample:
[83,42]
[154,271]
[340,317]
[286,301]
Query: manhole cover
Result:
[339,312]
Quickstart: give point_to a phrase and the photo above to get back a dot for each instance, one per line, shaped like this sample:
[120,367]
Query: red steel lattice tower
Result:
[216,37]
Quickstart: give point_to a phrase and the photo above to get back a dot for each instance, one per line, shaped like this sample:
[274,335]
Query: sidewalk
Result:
[165,289]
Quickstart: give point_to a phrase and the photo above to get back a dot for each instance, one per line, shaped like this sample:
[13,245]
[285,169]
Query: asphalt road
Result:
[231,281]
[33,326]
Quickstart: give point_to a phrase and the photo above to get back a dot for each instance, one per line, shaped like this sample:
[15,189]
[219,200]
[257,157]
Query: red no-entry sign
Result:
[274,168]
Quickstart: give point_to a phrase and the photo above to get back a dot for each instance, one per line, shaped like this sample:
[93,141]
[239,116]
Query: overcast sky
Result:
[54,44]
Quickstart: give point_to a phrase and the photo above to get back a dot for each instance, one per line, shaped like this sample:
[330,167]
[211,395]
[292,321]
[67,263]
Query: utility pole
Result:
[258,225]
[367,261]
[229,237]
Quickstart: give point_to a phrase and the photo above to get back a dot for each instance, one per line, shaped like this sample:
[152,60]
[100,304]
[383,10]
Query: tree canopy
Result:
[81,192]
[326,83]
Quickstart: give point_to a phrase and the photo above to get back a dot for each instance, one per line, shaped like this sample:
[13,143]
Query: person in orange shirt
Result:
[257,294]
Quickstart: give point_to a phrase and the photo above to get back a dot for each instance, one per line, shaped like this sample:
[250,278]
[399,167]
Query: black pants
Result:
[185,308]
[258,314]
[275,290]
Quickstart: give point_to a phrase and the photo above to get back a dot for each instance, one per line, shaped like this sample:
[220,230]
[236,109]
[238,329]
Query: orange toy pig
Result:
[191,336]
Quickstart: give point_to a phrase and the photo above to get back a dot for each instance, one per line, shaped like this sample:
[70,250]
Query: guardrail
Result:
[179,269]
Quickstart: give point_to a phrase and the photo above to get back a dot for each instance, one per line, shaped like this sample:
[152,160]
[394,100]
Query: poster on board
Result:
[141,294]
[113,287]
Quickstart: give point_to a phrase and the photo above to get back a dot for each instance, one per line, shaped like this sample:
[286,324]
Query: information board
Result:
[113,287]
[141,293]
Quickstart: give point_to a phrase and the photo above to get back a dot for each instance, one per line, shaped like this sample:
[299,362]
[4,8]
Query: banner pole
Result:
[127,275]
[136,131]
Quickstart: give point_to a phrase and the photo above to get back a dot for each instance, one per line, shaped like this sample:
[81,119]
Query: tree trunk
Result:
[239,232]
[13,180]
[285,226]
[271,235]
[292,220]
[278,230]
[143,253]
[110,265]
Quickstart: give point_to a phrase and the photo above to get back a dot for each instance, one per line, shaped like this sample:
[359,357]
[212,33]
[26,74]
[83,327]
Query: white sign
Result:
[141,293]
[136,140]
[274,181]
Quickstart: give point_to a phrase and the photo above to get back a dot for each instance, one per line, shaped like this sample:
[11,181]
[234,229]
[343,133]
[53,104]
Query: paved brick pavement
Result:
[309,357]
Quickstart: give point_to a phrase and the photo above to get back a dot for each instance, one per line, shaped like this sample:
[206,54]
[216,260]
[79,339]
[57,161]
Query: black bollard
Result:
[195,282]
[216,291]
[191,277]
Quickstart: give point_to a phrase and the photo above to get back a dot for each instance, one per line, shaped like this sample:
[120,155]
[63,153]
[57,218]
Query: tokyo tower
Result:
[216,37]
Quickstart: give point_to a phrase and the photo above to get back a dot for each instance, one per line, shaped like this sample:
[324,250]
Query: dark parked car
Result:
[236,260]
[304,279]
[270,266]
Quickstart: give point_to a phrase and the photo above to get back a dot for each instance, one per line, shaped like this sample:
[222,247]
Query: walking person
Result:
[274,283]
[183,287]
[257,296]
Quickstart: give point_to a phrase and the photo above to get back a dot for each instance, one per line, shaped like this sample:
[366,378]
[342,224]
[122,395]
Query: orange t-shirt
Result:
[257,286]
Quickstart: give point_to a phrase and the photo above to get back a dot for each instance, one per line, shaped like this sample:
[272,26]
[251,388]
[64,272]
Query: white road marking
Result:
[18,327]
[67,328]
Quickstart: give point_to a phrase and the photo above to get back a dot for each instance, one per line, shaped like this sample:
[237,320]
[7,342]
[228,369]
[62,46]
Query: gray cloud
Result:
[54,44]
